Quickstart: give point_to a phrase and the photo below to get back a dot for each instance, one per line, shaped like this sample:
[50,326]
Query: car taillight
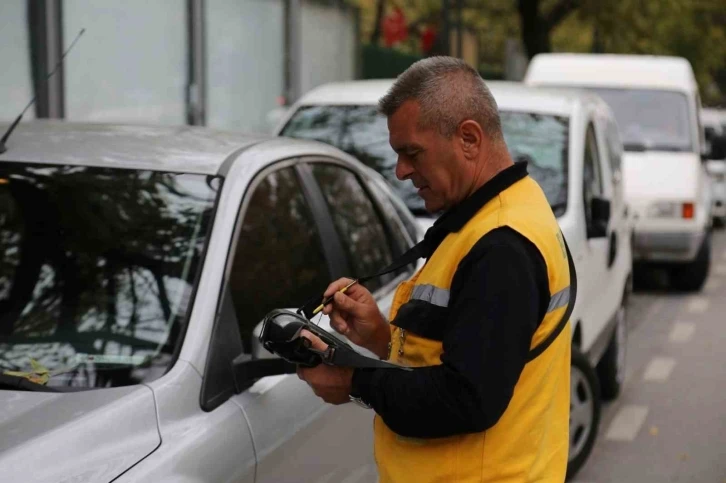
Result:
[687,211]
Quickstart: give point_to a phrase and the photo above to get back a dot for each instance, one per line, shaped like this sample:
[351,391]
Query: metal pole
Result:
[446,31]
[197,85]
[54,24]
[293,59]
[459,29]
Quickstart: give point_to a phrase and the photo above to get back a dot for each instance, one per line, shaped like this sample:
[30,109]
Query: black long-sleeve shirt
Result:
[498,297]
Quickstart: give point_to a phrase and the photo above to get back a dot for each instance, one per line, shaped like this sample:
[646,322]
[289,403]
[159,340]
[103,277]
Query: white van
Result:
[657,106]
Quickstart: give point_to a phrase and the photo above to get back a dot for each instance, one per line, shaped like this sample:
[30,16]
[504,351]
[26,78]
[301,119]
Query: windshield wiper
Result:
[20,383]
[636,147]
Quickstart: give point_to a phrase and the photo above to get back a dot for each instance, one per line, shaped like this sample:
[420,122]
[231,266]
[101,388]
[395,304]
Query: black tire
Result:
[584,411]
[611,368]
[690,277]
[719,221]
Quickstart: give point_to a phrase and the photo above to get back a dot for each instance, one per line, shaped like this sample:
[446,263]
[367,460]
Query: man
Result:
[483,322]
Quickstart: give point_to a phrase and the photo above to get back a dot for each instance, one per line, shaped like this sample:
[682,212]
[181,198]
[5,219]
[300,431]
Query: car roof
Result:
[612,70]
[188,149]
[509,95]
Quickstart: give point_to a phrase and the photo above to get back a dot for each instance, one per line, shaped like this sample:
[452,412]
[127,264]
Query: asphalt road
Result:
[669,424]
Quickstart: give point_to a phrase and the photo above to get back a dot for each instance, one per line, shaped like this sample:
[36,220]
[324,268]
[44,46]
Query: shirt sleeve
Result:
[500,295]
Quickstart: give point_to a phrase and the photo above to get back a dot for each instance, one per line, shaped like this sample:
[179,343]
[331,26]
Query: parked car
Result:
[570,140]
[136,264]
[714,124]
[657,106]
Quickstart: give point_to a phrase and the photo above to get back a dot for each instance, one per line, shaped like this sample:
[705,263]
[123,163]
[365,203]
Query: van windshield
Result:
[98,268]
[650,119]
[362,132]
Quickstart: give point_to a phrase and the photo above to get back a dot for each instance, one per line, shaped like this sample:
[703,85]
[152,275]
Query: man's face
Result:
[434,164]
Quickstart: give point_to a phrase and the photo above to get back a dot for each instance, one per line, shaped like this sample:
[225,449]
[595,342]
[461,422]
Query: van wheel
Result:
[584,411]
[690,277]
[611,368]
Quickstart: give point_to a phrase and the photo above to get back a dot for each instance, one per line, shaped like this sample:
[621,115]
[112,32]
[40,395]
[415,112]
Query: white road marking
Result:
[698,305]
[654,309]
[626,424]
[720,269]
[682,331]
[659,369]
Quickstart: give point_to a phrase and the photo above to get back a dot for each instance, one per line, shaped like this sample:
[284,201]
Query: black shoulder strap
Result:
[566,316]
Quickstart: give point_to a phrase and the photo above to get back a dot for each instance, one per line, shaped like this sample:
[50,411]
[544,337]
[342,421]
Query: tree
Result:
[537,24]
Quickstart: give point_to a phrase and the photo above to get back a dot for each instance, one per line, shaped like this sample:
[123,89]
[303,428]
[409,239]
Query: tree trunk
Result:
[376,34]
[535,31]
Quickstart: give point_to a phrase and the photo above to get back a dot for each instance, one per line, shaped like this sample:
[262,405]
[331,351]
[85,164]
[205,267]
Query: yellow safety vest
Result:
[530,440]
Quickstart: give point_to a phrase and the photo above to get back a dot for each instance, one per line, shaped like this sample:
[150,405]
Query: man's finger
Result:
[347,304]
[339,324]
[335,286]
[317,342]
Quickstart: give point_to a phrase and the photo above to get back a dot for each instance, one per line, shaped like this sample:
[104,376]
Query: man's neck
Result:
[488,168]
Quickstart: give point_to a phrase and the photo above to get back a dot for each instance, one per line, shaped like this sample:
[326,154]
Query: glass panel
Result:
[542,141]
[245,63]
[16,86]
[130,65]
[327,44]
[279,260]
[97,269]
[361,132]
[648,119]
[356,220]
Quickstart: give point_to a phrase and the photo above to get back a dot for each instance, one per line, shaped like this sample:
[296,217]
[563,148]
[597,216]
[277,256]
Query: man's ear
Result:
[471,137]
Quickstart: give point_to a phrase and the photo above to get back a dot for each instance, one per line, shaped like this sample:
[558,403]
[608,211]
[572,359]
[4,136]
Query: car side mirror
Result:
[247,370]
[600,217]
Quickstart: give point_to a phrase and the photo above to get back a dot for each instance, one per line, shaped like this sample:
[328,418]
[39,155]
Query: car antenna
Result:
[10,130]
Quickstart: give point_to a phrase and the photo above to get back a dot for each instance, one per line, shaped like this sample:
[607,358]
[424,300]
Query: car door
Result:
[593,181]
[287,249]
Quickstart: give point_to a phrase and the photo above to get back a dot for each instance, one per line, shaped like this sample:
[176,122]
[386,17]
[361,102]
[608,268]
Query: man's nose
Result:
[403,169]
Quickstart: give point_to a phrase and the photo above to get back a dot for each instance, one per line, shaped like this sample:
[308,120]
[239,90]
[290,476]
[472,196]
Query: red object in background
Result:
[394,27]
[428,37]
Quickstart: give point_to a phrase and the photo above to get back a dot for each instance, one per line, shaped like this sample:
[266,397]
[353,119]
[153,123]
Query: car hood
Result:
[660,175]
[91,436]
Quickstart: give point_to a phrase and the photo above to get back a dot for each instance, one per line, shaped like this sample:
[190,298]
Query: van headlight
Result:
[671,209]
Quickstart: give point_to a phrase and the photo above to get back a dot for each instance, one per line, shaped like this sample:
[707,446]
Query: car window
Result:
[357,222]
[614,145]
[279,260]
[98,269]
[398,221]
[592,179]
[360,131]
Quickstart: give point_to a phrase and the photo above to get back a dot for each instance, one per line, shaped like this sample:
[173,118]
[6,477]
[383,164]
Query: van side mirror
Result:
[599,218]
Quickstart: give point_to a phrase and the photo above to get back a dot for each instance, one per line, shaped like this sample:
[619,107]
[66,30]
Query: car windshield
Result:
[363,132]
[97,270]
[542,141]
[650,119]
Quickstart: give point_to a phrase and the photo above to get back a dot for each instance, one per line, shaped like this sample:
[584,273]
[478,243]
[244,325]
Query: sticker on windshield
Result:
[110,359]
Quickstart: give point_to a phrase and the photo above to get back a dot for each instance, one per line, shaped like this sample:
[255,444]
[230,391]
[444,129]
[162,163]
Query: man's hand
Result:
[332,384]
[355,314]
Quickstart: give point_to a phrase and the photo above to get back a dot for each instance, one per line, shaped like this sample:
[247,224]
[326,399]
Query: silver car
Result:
[136,264]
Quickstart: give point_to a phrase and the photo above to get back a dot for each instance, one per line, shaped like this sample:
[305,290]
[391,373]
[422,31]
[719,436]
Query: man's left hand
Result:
[332,384]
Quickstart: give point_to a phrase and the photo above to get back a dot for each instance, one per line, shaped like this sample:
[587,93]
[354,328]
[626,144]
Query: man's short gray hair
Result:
[448,91]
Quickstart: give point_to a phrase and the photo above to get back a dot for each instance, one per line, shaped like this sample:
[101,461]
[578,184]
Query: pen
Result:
[327,300]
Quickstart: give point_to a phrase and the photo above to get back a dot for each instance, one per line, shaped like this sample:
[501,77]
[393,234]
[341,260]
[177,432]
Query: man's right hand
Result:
[355,314]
